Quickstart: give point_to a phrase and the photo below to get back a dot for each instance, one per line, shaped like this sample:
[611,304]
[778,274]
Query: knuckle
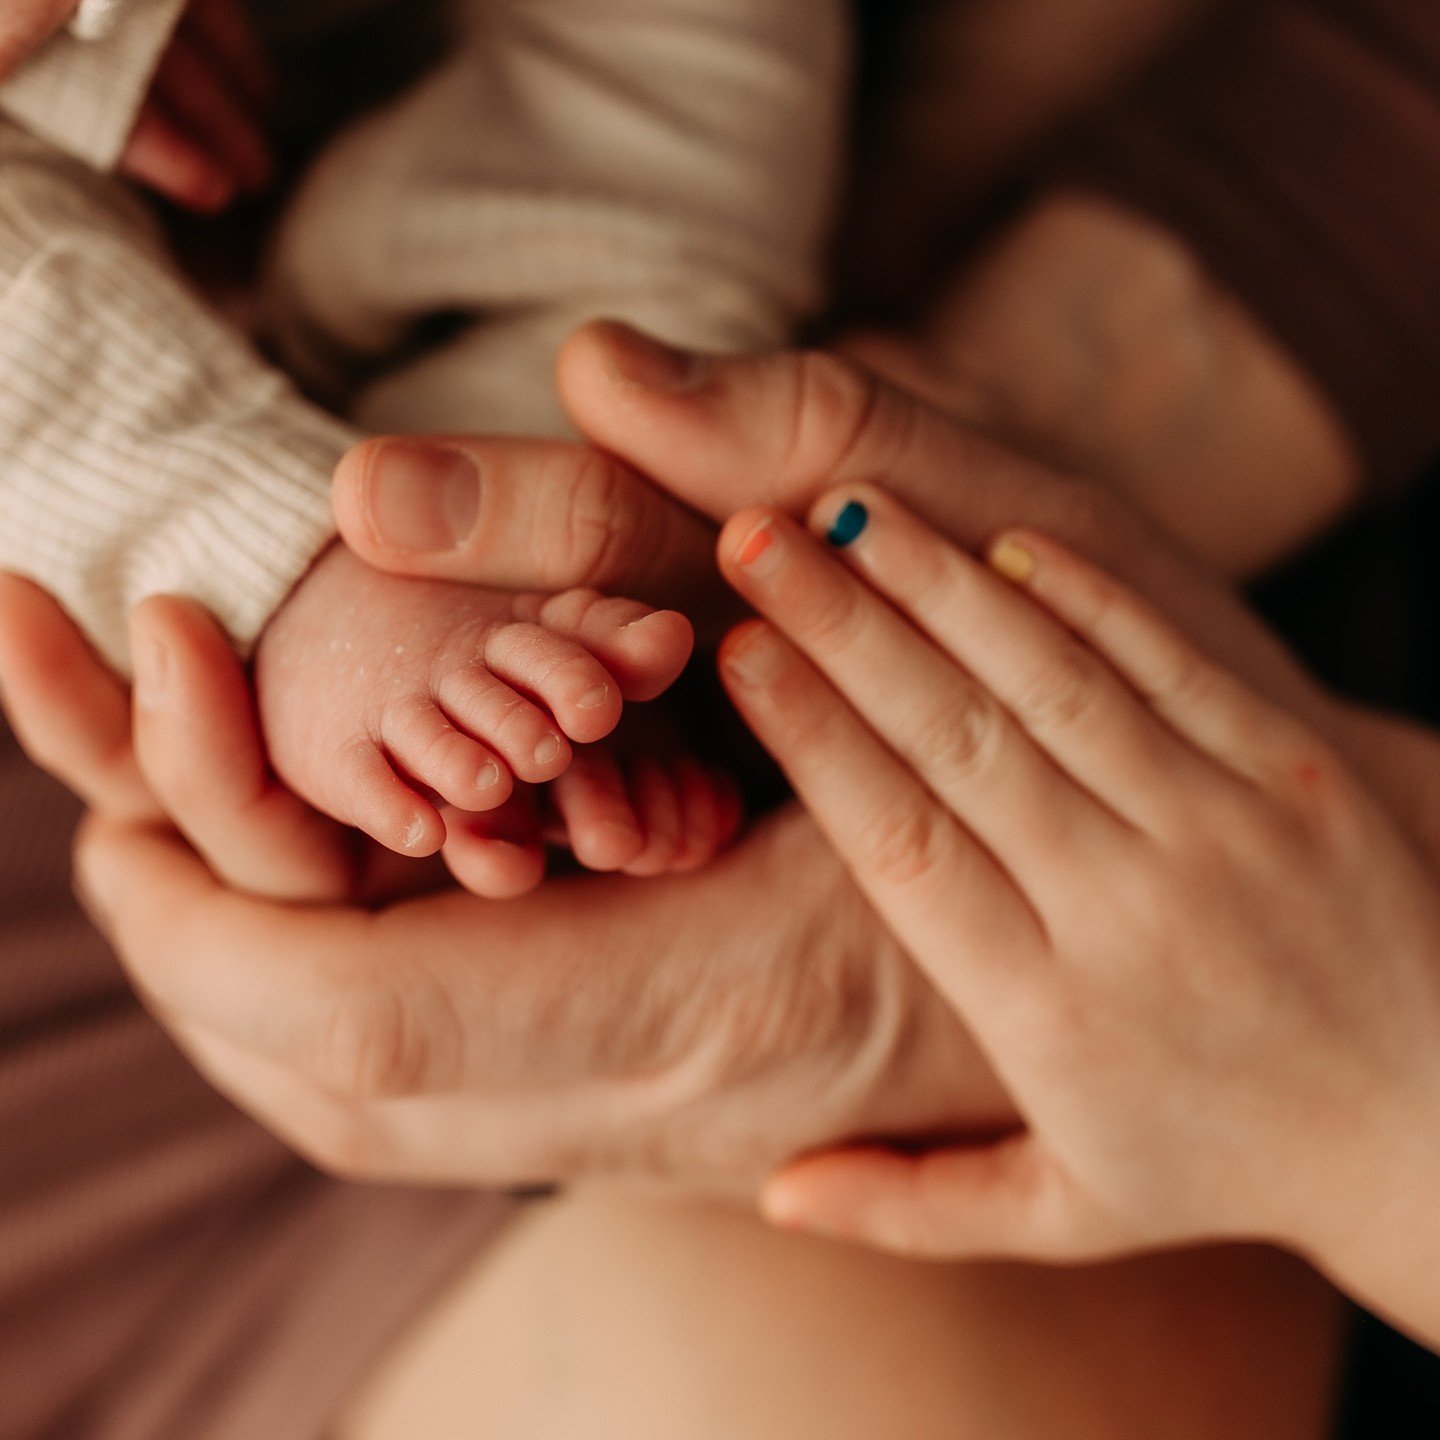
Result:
[834,413]
[602,515]
[833,626]
[1179,676]
[959,739]
[1062,694]
[908,848]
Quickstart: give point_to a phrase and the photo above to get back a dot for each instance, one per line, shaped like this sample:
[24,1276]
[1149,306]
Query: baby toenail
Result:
[414,832]
[547,750]
[594,699]
[488,776]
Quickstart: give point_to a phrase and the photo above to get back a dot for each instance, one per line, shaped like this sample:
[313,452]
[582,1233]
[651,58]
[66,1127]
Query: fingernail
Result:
[1012,560]
[593,699]
[848,524]
[489,776]
[420,497]
[653,365]
[757,553]
[153,665]
[547,750]
[754,660]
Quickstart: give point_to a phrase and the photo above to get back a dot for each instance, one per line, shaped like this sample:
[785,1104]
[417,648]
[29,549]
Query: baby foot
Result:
[643,816]
[380,695]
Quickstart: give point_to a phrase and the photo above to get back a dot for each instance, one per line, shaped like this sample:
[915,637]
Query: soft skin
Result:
[1144,886]
[383,698]
[716,1068]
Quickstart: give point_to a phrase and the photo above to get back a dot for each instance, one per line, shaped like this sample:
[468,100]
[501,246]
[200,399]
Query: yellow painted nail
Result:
[1012,560]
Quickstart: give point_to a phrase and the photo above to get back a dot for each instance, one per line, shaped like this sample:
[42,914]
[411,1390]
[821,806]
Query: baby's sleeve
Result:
[82,92]
[673,163]
[146,449]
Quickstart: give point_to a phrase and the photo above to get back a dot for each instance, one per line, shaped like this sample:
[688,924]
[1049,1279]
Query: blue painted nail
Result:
[848,524]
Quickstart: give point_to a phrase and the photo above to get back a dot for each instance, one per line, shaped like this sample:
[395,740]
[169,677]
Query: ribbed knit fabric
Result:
[83,91]
[668,162]
[673,163]
[147,449]
[167,1270]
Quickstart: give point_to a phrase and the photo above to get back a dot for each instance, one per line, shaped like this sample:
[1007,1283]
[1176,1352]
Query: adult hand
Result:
[711,1024]
[723,434]
[1144,885]
[704,1028]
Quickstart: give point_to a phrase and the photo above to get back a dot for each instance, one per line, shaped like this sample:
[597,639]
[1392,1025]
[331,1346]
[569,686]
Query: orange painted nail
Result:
[755,547]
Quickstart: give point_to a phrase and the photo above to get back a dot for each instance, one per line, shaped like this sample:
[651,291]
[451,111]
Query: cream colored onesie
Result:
[668,162]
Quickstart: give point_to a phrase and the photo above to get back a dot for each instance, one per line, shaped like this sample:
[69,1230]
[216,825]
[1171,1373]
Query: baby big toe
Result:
[643,649]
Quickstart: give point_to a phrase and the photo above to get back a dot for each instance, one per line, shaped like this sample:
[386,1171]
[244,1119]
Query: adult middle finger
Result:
[948,728]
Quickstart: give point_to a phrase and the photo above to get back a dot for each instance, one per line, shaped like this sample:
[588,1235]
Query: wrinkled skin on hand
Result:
[703,1025]
[697,1028]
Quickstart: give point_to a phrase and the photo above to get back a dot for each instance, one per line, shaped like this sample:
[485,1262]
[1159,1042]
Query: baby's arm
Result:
[148,450]
[672,163]
[146,447]
[168,93]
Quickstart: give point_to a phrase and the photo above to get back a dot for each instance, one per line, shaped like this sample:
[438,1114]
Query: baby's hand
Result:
[25,25]
[379,695]
[200,139]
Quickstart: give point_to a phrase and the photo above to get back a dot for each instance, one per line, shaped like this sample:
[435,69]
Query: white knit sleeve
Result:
[144,448]
[673,163]
[83,90]
[95,19]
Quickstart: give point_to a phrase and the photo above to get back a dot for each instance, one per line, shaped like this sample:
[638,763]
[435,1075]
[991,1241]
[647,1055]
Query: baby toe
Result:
[373,798]
[642,648]
[498,855]
[595,809]
[459,769]
[710,813]
[654,794]
[486,707]
[561,674]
